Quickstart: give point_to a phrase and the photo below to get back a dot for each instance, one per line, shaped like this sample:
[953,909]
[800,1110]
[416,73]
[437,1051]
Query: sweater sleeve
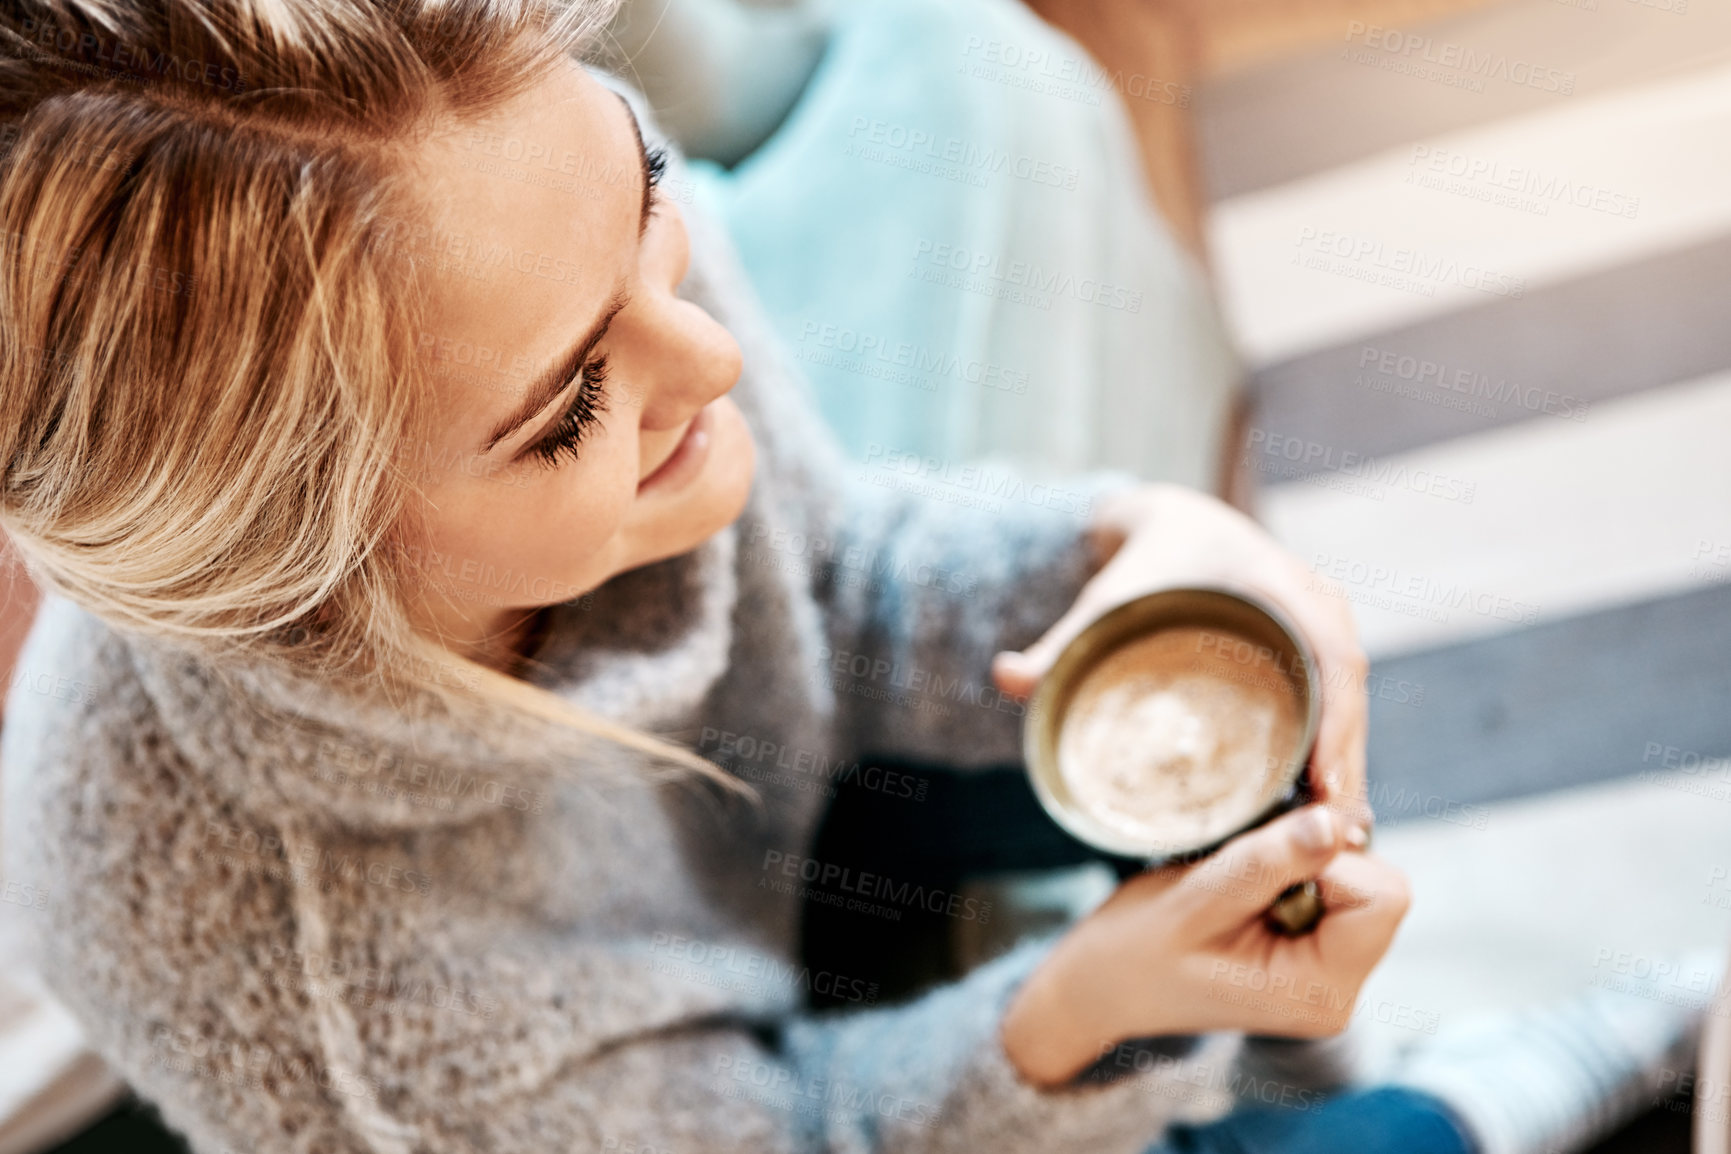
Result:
[923,588]
[921,1078]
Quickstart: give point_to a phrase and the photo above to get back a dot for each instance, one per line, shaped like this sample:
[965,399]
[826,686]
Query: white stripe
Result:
[1656,151]
[1515,902]
[1534,522]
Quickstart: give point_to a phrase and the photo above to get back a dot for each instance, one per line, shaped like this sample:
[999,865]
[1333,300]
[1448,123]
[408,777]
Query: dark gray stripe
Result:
[1606,695]
[1550,355]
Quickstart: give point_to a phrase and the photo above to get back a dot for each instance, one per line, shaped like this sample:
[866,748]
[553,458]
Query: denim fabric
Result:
[1385,1120]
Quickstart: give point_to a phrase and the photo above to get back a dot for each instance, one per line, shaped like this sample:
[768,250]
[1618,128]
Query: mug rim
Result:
[1105,635]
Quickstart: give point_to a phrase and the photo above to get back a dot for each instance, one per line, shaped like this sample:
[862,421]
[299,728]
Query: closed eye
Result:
[580,416]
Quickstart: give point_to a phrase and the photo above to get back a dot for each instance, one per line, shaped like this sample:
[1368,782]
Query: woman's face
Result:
[583,427]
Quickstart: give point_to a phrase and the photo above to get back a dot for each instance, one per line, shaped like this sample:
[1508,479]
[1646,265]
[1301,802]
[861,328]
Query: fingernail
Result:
[1357,837]
[1315,830]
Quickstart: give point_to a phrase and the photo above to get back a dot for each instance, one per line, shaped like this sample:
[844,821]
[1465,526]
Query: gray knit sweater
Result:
[298,921]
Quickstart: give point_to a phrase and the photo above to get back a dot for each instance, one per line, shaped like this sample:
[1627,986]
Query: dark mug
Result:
[1272,647]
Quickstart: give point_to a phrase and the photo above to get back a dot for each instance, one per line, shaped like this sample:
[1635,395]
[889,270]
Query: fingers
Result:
[1365,900]
[1018,673]
[1338,761]
[1239,882]
[1365,897]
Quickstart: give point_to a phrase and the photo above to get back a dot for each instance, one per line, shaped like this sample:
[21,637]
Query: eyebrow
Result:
[546,387]
[643,164]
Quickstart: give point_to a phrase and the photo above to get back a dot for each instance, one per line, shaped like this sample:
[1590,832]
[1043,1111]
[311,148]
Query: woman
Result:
[399,515]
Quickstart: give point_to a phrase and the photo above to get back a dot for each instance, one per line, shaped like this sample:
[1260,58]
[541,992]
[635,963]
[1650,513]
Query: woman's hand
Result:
[1159,536]
[1186,950]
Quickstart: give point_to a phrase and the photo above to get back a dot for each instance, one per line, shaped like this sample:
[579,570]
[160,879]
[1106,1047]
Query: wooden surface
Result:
[1713,1078]
[1232,35]
[1174,45]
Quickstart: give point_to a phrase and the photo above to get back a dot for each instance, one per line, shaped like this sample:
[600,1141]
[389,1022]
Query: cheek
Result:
[531,535]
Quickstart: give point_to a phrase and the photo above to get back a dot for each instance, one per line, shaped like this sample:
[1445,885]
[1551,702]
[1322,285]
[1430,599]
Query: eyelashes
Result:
[579,417]
[590,401]
[654,167]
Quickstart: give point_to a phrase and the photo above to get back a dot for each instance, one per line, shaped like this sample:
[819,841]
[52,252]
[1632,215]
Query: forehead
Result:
[532,223]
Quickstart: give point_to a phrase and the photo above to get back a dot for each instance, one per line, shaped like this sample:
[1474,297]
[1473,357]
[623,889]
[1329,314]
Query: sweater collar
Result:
[643,650]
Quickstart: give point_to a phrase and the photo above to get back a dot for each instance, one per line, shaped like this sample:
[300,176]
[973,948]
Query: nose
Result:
[690,359]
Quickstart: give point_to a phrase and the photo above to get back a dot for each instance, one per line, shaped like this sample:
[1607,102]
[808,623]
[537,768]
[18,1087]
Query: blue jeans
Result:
[1386,1120]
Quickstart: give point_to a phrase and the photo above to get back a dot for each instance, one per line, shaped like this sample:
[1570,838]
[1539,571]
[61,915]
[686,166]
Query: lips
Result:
[686,458]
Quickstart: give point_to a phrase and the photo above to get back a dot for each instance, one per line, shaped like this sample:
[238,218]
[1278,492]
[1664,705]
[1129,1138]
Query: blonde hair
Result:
[207,340]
